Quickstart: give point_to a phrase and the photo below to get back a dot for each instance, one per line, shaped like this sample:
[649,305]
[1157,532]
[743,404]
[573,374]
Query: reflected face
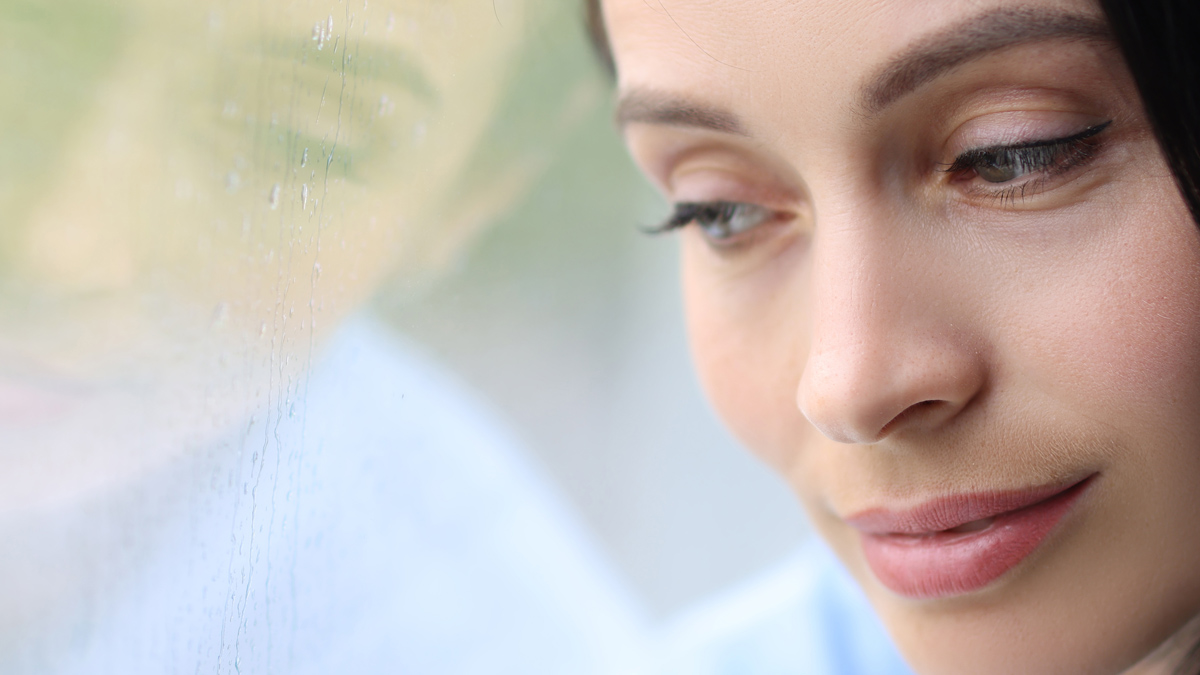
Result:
[938,274]
[196,194]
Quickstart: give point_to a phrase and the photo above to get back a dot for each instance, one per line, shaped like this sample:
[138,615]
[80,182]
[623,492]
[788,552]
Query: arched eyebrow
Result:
[930,58]
[650,107]
[951,47]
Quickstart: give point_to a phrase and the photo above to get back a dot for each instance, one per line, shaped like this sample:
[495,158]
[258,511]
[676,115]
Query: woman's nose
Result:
[890,349]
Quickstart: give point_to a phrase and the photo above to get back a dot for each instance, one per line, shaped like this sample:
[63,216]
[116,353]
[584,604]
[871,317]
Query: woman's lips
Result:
[28,400]
[958,544]
[26,405]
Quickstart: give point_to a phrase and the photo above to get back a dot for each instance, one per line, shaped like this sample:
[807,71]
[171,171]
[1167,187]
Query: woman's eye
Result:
[1000,164]
[720,221]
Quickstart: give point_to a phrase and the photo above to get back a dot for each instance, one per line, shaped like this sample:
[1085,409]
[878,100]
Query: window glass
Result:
[325,346]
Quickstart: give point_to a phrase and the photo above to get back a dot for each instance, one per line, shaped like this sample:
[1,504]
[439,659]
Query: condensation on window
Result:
[261,264]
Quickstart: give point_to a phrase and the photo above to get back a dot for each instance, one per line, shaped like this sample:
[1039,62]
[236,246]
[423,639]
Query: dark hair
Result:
[1158,39]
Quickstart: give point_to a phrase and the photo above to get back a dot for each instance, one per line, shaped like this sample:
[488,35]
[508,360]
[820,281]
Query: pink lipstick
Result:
[961,543]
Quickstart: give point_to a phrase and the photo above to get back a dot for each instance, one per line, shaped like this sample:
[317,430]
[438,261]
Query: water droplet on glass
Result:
[304,158]
[273,198]
[304,196]
[220,315]
[320,35]
[329,25]
[418,132]
[232,180]
[317,270]
[391,21]
[385,106]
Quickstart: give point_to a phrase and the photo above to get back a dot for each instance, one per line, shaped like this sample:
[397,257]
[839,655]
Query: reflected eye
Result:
[999,164]
[720,221]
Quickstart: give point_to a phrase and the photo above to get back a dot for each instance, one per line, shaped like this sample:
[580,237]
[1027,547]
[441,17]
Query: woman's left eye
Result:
[1001,164]
[720,221]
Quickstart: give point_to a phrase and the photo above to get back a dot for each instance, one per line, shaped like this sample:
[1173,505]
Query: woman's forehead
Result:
[844,54]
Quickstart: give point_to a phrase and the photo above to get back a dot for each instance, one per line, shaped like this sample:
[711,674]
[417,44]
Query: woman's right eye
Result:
[720,221]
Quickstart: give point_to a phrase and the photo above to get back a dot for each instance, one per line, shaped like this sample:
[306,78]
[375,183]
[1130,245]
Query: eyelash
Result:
[1051,157]
[719,219]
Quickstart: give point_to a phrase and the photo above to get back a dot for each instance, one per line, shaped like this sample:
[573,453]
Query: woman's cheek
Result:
[748,338]
[1114,334]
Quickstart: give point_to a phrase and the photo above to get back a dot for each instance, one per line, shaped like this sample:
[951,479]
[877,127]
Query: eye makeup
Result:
[1001,165]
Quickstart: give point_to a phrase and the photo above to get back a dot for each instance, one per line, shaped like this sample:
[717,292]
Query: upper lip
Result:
[32,393]
[949,512]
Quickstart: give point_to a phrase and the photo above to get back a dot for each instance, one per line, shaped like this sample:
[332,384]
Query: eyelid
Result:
[729,228]
[961,162]
[1041,161]
[686,213]
[686,165]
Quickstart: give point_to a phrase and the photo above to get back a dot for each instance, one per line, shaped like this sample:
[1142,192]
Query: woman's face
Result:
[195,194]
[953,296]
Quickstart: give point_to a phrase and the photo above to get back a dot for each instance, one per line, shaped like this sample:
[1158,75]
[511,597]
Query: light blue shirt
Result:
[377,518]
[806,616]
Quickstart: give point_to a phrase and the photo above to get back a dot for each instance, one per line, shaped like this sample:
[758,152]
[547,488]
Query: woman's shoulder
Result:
[804,615]
[446,526]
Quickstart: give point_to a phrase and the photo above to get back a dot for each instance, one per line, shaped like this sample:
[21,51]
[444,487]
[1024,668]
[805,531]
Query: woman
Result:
[940,273]
[210,460]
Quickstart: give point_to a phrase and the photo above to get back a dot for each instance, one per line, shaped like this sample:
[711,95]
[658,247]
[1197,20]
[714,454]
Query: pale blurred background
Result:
[568,318]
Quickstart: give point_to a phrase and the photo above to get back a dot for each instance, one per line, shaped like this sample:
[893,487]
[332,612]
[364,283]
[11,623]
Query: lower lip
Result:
[27,405]
[944,564]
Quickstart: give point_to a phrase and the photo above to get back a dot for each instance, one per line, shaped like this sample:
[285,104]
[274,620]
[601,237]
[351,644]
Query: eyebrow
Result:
[373,61]
[930,58]
[650,107]
[935,55]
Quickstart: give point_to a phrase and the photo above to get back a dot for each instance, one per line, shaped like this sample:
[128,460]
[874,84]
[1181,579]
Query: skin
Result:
[895,332]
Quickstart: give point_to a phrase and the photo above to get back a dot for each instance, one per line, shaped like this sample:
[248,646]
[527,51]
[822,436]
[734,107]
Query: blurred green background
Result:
[568,319]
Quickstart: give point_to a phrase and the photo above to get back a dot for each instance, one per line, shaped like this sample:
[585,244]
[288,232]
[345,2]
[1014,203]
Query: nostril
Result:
[910,413]
[867,392]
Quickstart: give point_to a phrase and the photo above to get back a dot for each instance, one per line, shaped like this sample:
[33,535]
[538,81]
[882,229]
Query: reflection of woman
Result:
[195,196]
[940,274]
